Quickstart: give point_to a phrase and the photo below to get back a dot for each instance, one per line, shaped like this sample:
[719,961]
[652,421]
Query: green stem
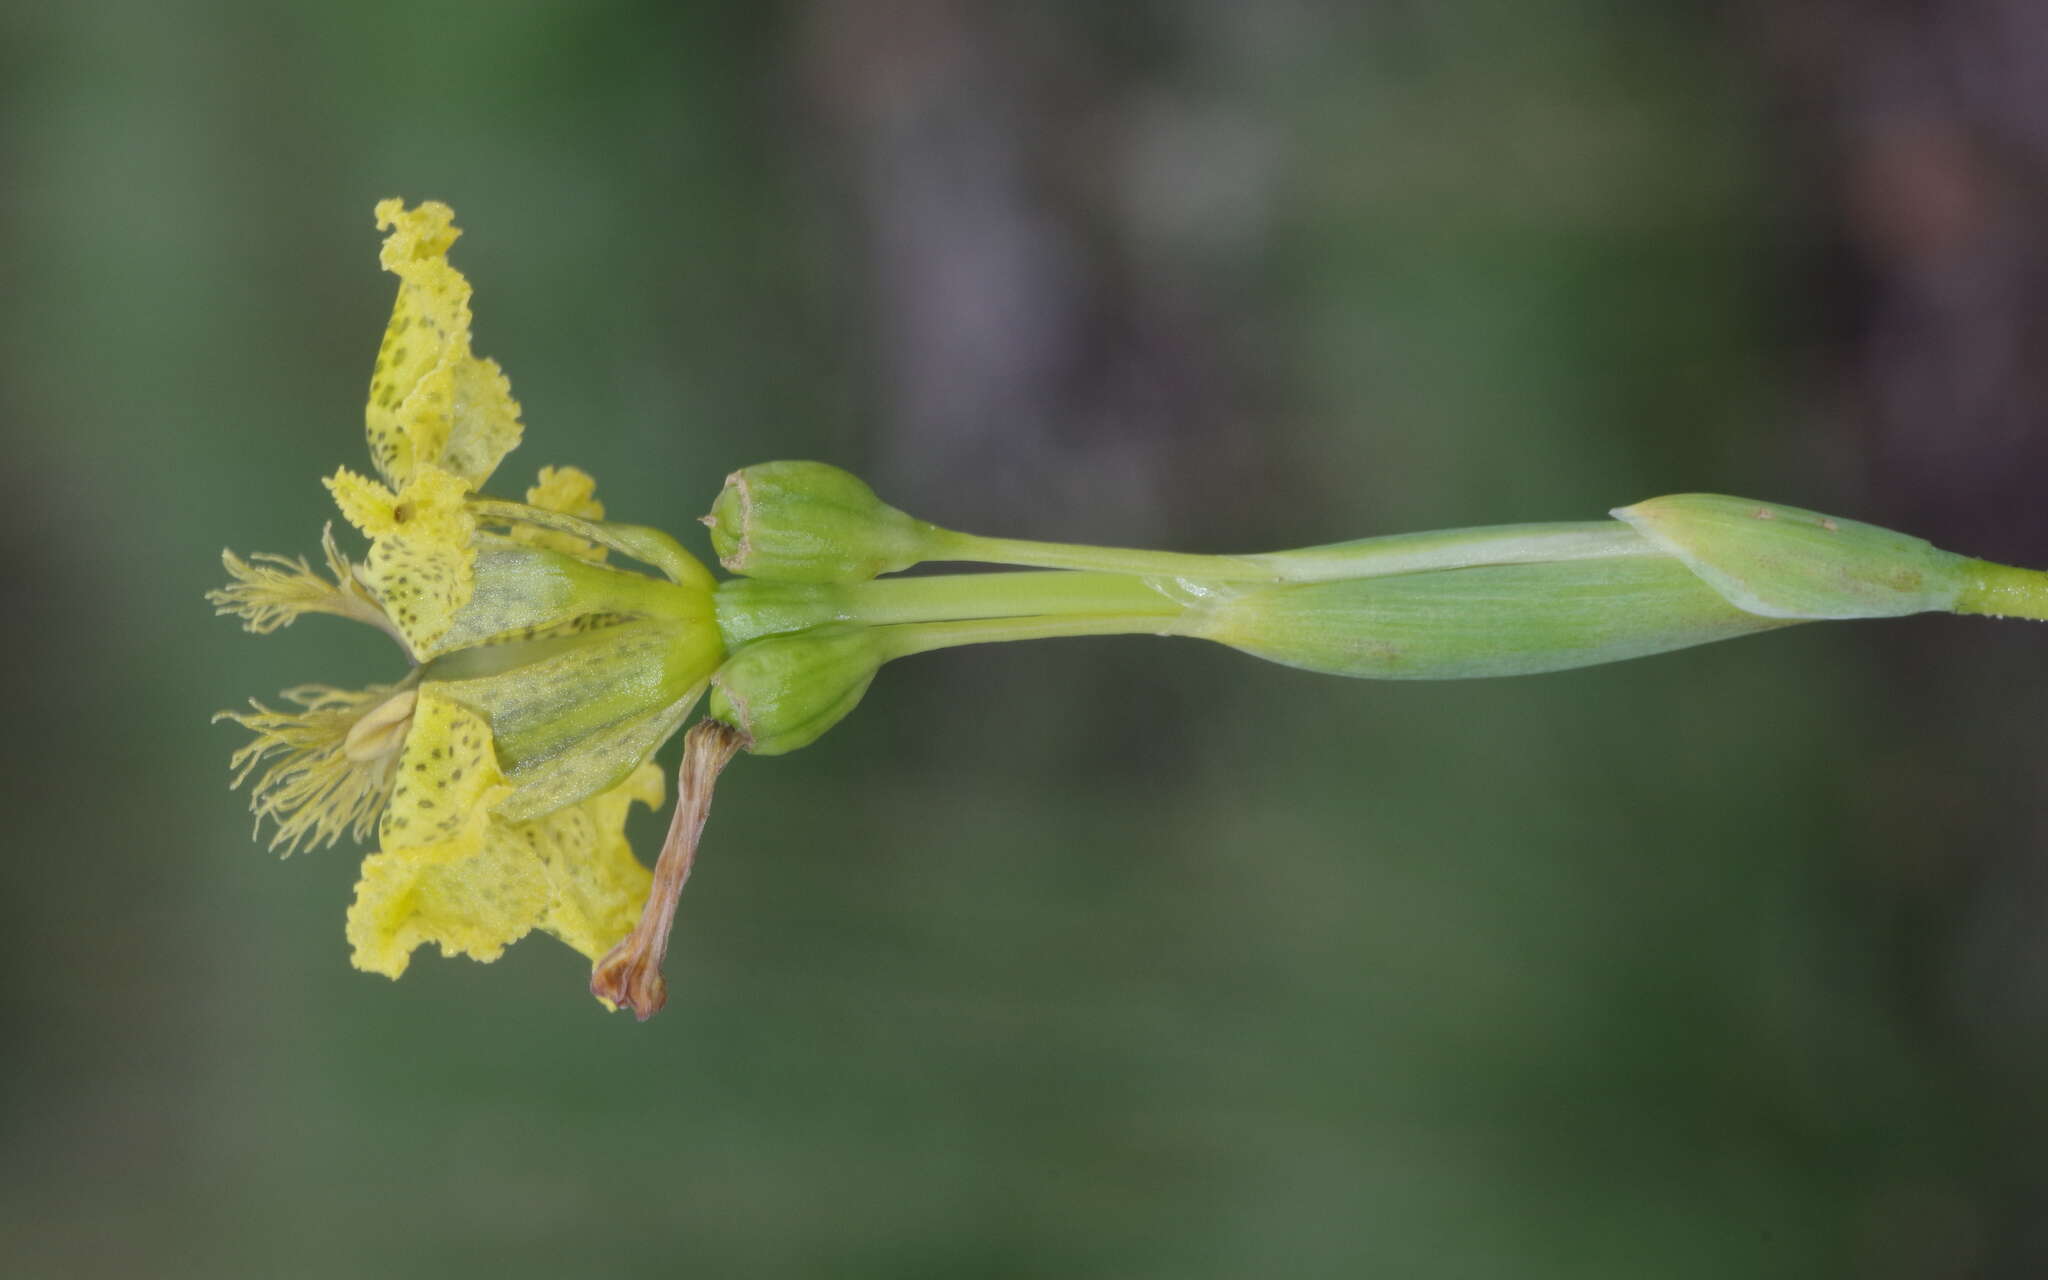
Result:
[945,544]
[949,597]
[2004,591]
[1365,558]
[902,641]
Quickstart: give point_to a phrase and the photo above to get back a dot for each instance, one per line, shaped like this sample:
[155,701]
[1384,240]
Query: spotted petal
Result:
[421,565]
[453,875]
[431,400]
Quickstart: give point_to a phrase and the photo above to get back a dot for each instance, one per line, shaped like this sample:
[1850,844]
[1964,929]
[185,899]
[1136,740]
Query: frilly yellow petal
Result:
[440,877]
[417,235]
[474,906]
[431,400]
[569,490]
[452,875]
[483,421]
[596,886]
[447,779]
[572,492]
[364,503]
[421,565]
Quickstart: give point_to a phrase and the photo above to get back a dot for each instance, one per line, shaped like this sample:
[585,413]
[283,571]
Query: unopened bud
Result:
[784,692]
[809,522]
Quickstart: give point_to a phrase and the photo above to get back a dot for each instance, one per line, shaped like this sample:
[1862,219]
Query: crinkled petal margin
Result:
[452,875]
[433,402]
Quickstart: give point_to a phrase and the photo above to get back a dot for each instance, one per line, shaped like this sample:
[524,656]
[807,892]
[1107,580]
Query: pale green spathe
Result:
[1783,562]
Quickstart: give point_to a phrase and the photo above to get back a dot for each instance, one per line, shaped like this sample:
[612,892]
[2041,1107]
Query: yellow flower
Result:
[453,873]
[498,772]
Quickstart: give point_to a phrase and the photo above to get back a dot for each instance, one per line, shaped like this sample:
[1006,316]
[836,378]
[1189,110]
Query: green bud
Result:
[809,522]
[784,692]
[1782,562]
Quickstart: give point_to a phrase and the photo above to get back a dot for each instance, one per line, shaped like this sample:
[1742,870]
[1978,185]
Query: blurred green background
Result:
[1118,957]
